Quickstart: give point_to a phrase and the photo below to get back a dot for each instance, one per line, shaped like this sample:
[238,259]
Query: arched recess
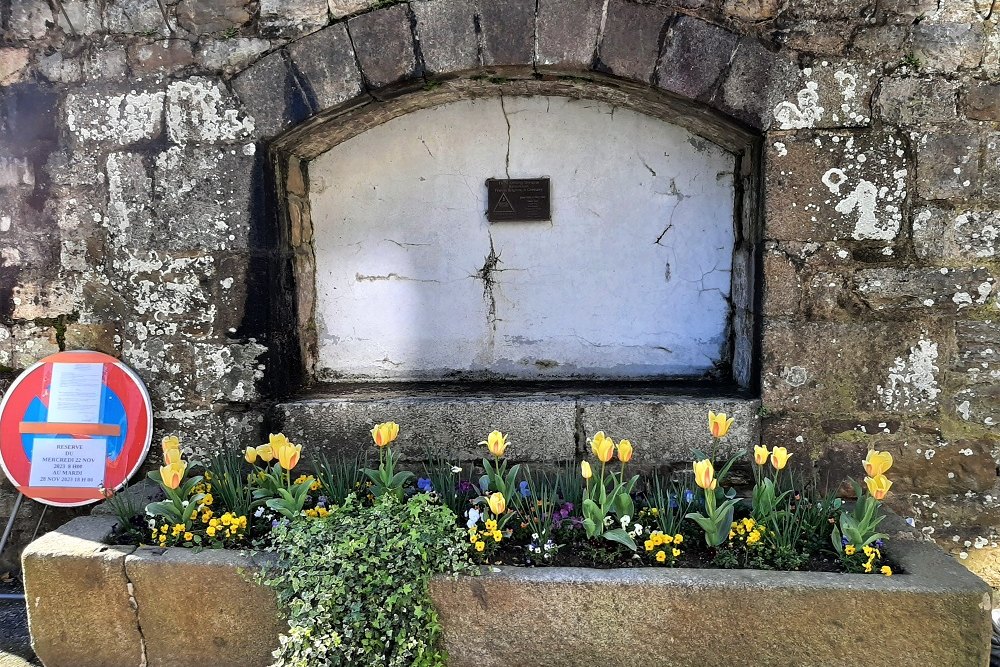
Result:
[333,85]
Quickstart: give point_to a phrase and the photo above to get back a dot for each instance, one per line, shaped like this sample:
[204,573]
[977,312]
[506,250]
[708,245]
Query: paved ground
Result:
[15,644]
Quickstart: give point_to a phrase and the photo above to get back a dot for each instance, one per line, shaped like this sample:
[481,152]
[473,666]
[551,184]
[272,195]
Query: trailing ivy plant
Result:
[355,584]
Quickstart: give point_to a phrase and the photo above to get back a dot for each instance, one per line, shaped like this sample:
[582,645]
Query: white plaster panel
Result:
[401,240]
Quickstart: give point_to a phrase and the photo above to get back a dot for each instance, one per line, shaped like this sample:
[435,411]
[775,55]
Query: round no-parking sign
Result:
[72,425]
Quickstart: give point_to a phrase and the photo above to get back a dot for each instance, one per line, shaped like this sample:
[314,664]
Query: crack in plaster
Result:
[143,660]
[486,274]
[506,119]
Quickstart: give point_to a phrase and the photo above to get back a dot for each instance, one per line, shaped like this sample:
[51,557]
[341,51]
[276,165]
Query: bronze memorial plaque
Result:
[517,199]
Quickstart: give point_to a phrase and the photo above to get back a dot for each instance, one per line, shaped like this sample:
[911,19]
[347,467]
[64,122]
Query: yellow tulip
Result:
[172,474]
[265,452]
[603,447]
[877,463]
[172,455]
[585,470]
[385,433]
[497,503]
[277,440]
[779,457]
[878,486]
[718,425]
[704,475]
[288,456]
[250,455]
[760,454]
[496,442]
[624,451]
[171,442]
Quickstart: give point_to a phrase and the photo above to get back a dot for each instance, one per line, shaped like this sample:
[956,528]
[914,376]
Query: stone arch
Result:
[336,83]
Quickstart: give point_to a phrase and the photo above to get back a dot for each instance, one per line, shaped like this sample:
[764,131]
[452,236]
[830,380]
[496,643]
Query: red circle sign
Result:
[72,425]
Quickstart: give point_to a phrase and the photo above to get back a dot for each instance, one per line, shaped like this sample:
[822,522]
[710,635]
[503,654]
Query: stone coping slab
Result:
[91,604]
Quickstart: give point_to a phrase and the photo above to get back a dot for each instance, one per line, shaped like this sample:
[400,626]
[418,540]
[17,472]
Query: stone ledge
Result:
[543,426]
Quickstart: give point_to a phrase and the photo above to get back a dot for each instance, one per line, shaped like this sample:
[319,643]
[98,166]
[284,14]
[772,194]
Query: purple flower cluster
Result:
[563,514]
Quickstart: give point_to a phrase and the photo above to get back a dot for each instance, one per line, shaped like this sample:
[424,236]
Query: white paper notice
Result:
[76,393]
[68,462]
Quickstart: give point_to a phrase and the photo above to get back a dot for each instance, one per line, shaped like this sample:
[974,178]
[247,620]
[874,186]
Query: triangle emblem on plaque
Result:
[503,204]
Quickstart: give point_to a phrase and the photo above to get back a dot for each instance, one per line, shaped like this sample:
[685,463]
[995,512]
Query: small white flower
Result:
[626,520]
[637,528]
[152,523]
[534,536]
[259,513]
[473,515]
[456,469]
[608,521]
[185,503]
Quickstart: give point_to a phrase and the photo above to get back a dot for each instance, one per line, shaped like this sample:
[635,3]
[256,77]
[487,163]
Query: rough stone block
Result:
[259,86]
[978,356]
[830,9]
[508,32]
[665,429]
[80,17]
[71,574]
[28,114]
[118,119]
[447,33]
[831,368]
[830,94]
[12,65]
[758,80]
[948,164]
[912,102]
[541,428]
[29,343]
[908,8]
[948,47]
[229,55]
[99,337]
[201,111]
[990,178]
[167,55]
[134,17]
[341,8]
[695,55]
[168,611]
[956,235]
[567,32]
[893,290]
[782,287]
[201,17]
[59,69]
[630,45]
[752,11]
[835,185]
[325,62]
[288,18]
[981,101]
[29,19]
[383,41]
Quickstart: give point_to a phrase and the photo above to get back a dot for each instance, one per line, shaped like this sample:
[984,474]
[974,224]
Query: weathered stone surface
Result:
[915,102]
[981,101]
[956,235]
[752,10]
[167,55]
[831,9]
[695,55]
[109,64]
[258,86]
[899,290]
[447,33]
[541,428]
[665,612]
[202,111]
[948,47]
[122,119]
[756,83]
[829,94]
[948,164]
[567,31]
[990,176]
[978,354]
[383,41]
[28,344]
[341,8]
[828,186]
[99,337]
[201,17]
[134,17]
[508,32]
[292,17]
[59,69]
[909,8]
[29,19]
[631,40]
[229,54]
[844,368]
[80,17]
[327,67]
[210,636]
[70,574]
[665,429]
[12,65]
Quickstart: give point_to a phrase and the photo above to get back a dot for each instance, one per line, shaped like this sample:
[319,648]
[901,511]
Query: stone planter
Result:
[90,604]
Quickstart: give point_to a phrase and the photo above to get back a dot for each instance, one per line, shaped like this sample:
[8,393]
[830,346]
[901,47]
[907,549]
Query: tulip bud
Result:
[704,474]
[250,455]
[603,447]
[779,457]
[877,463]
[760,454]
[878,486]
[497,503]
[718,425]
[171,442]
[496,442]
[624,451]
[385,433]
[288,456]
[585,470]
[266,453]
[172,474]
[172,455]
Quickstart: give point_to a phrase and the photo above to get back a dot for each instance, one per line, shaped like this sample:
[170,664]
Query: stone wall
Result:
[151,202]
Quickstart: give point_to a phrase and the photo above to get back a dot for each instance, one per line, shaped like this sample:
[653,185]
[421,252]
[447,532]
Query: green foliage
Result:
[858,527]
[568,481]
[229,484]
[445,479]
[181,504]
[354,585]
[385,480]
[339,478]
[608,495]
[671,503]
